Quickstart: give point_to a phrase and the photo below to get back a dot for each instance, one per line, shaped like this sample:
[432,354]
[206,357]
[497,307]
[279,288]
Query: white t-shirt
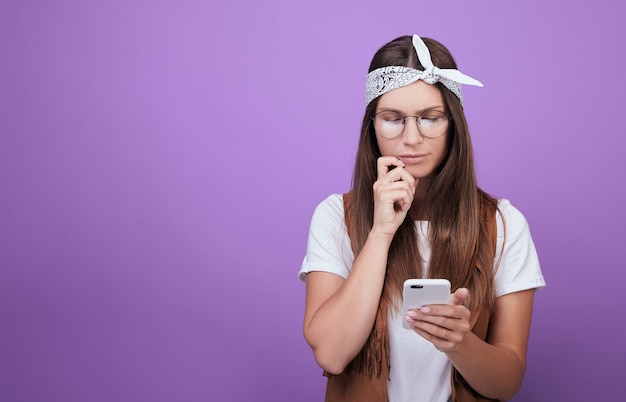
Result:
[419,372]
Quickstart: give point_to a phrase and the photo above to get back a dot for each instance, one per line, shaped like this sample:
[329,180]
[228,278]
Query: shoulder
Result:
[518,266]
[328,244]
[510,217]
[330,208]
[333,201]
[505,206]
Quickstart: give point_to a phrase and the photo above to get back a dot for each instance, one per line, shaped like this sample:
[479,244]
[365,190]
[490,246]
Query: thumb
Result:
[459,296]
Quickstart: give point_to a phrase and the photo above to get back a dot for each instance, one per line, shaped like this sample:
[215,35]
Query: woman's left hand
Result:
[444,325]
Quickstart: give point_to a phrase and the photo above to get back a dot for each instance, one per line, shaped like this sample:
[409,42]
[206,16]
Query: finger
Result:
[399,174]
[434,333]
[432,312]
[442,344]
[384,163]
[459,296]
[447,329]
[399,193]
[391,175]
[434,330]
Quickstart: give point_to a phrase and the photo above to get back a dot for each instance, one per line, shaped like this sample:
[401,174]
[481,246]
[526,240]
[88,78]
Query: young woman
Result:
[415,211]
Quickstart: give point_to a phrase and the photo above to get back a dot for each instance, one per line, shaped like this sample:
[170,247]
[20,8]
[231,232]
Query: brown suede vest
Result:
[356,387]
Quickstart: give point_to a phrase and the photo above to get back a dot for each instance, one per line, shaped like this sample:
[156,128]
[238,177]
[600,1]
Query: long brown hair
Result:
[456,208]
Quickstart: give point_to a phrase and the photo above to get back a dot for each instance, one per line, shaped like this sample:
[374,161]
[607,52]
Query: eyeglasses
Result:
[430,123]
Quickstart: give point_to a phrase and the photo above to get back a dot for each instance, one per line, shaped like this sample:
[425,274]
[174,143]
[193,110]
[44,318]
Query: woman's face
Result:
[421,155]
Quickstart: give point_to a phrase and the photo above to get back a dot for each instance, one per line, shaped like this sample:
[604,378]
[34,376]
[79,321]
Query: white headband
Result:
[385,79]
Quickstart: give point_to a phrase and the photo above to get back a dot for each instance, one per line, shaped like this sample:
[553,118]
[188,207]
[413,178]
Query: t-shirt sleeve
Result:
[328,244]
[519,267]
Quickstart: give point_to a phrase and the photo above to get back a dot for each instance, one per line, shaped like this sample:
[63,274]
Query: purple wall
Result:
[160,161]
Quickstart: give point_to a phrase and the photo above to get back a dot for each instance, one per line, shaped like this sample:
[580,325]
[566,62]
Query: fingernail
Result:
[411,314]
[401,163]
[425,310]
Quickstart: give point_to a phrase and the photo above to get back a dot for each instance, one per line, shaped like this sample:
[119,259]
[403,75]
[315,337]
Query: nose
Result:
[411,133]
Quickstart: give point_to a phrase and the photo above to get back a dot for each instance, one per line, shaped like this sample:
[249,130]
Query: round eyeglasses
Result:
[430,123]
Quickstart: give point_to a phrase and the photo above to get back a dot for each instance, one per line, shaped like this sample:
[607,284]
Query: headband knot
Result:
[385,79]
[430,75]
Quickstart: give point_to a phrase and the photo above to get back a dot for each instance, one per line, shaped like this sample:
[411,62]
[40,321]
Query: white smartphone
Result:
[421,292]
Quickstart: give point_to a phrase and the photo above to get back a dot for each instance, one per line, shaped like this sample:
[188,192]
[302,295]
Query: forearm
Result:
[493,371]
[339,328]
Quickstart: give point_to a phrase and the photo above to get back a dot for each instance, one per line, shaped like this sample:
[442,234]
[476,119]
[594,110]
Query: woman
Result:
[415,211]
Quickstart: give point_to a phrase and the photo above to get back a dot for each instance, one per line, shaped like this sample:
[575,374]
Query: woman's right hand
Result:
[340,313]
[393,195]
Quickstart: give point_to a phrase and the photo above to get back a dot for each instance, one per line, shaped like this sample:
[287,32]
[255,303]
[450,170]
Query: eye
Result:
[388,116]
[432,117]
[428,121]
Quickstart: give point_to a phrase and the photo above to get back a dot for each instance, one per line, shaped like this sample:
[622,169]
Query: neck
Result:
[418,208]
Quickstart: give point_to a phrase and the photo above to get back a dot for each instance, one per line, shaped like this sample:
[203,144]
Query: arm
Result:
[494,368]
[340,313]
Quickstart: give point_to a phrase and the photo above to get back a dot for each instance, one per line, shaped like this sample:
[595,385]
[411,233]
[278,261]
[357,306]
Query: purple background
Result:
[160,162]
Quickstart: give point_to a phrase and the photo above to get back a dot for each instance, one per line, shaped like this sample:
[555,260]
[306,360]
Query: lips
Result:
[412,159]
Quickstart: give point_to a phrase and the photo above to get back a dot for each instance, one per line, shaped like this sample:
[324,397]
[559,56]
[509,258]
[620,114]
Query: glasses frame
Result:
[418,118]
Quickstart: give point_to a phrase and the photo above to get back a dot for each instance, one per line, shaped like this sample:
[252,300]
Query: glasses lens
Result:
[433,123]
[388,123]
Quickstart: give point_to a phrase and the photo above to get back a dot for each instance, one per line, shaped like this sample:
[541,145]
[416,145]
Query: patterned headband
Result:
[385,79]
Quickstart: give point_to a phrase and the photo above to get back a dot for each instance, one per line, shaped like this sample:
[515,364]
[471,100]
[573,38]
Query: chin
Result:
[421,173]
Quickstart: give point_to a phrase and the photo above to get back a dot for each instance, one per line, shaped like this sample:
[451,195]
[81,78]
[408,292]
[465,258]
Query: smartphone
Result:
[421,292]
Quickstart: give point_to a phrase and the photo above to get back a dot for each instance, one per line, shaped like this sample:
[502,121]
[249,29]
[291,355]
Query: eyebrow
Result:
[390,109]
